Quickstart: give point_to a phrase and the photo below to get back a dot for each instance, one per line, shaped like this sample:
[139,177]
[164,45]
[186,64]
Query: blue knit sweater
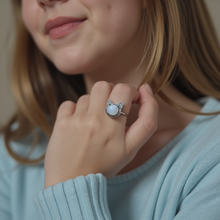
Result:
[180,182]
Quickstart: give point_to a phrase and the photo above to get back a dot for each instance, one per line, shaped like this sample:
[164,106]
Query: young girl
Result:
[89,139]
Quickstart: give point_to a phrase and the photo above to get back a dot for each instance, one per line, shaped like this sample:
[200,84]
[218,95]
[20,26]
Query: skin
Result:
[107,50]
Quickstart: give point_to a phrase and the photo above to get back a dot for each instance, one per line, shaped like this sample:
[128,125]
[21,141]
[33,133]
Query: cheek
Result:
[115,17]
[31,15]
[30,11]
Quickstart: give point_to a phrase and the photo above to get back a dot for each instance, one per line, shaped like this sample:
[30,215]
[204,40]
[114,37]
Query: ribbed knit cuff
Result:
[82,198]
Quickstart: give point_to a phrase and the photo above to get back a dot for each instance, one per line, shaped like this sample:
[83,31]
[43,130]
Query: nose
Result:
[48,3]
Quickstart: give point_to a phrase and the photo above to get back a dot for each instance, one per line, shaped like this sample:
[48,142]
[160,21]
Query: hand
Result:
[86,140]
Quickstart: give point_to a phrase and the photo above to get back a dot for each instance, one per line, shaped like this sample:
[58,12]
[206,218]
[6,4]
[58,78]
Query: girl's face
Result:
[111,26]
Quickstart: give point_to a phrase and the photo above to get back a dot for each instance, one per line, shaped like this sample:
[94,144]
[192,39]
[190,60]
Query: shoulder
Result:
[203,132]
[190,176]
[22,148]
[6,161]
[205,135]
[196,151]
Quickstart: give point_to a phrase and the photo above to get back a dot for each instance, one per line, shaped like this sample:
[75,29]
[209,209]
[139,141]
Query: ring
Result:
[114,110]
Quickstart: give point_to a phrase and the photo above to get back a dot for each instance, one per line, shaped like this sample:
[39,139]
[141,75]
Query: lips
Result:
[59,21]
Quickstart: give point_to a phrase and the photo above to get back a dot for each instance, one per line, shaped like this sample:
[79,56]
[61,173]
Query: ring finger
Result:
[127,94]
[98,97]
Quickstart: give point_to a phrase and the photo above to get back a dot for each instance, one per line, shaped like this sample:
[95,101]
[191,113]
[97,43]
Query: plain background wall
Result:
[7,103]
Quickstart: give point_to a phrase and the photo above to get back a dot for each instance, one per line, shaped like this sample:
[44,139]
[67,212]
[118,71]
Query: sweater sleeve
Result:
[82,198]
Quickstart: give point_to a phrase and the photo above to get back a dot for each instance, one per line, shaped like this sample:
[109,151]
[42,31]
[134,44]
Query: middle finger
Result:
[99,95]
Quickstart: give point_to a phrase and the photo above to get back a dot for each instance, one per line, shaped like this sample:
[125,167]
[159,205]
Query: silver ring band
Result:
[122,113]
[114,110]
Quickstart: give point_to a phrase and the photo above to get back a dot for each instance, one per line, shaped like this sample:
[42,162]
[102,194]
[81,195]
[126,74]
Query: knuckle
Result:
[123,88]
[65,104]
[150,125]
[94,124]
[62,124]
[110,133]
[101,84]
[131,155]
[77,122]
[131,152]
[83,98]
[86,96]
[155,105]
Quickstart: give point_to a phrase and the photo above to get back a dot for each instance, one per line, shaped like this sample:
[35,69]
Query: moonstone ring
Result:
[114,110]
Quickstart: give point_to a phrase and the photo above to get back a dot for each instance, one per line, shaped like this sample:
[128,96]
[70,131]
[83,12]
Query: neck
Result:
[170,120]
[168,117]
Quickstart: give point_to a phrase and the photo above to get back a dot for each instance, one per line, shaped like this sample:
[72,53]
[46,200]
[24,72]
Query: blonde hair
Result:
[182,45]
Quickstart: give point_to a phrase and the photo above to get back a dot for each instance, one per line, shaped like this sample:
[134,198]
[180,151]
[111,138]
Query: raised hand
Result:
[86,140]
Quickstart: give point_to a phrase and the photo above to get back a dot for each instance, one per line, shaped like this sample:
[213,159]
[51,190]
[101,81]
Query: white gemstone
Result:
[112,109]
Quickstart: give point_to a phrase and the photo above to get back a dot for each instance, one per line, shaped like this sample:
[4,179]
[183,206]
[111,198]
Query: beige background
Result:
[7,104]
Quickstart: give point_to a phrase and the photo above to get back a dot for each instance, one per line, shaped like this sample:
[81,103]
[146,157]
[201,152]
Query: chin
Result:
[68,66]
[68,69]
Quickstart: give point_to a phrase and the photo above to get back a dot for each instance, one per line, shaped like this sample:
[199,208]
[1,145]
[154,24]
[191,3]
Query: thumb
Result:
[146,124]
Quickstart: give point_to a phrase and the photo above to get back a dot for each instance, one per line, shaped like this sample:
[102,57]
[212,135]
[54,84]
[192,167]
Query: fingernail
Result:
[149,88]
